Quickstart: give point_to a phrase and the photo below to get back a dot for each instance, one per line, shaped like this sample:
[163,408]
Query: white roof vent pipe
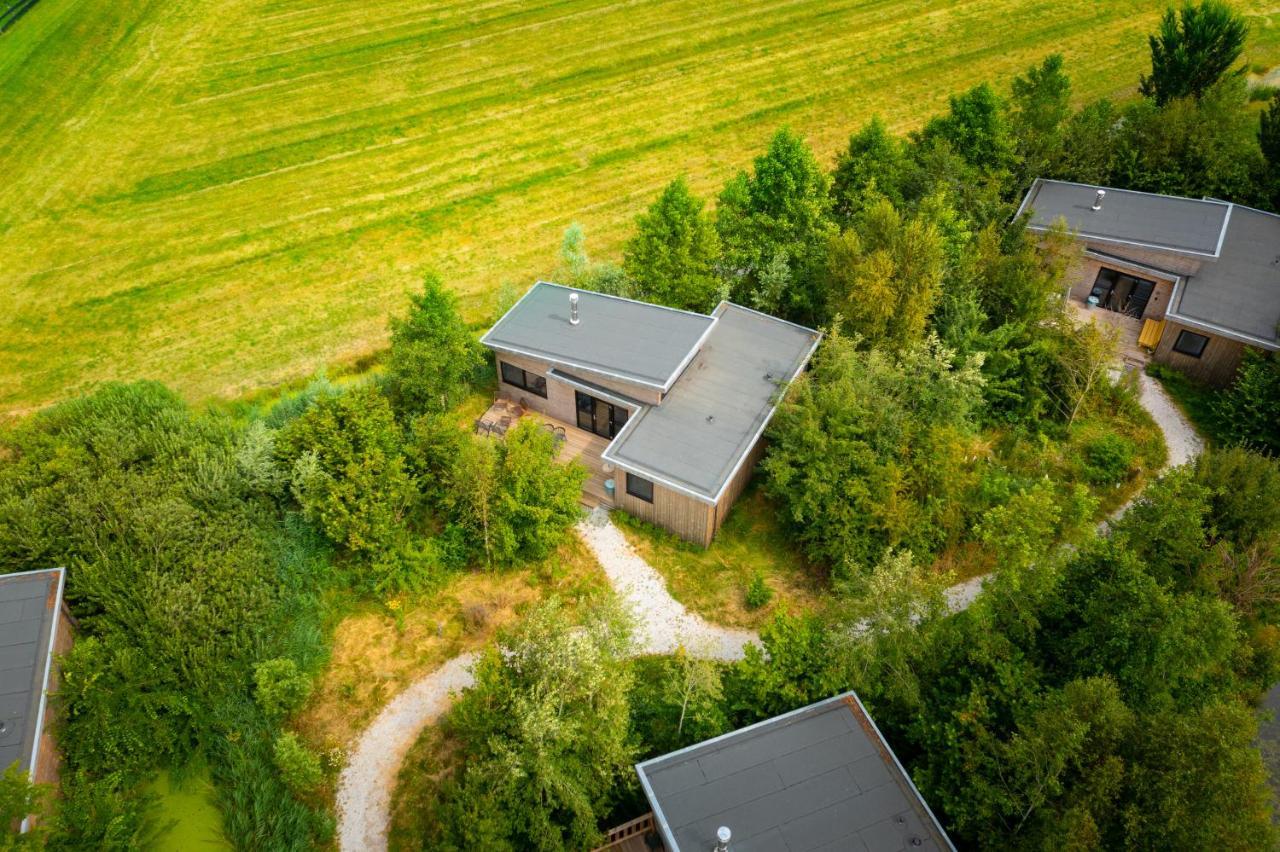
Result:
[1097,200]
[722,839]
[573,309]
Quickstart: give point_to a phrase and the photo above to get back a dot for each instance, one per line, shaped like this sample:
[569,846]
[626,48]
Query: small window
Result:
[523,379]
[1190,343]
[640,487]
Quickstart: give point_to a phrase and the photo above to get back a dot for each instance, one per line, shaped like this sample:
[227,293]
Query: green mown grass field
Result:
[223,195]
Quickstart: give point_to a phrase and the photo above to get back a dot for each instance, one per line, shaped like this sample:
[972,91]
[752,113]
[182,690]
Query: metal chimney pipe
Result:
[573,309]
[722,837]
[1097,201]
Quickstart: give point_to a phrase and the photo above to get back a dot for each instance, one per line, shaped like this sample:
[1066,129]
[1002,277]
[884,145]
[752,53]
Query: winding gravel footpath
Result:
[1183,444]
[366,782]
[662,624]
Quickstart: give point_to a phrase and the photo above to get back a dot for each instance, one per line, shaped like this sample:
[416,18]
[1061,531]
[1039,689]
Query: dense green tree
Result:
[544,733]
[1040,106]
[677,701]
[433,354]
[182,574]
[794,665]
[884,276]
[1198,783]
[673,255]
[977,128]
[511,499]
[781,209]
[870,167]
[348,470]
[1193,49]
[1269,131]
[1089,140]
[1250,408]
[868,452]
[1204,146]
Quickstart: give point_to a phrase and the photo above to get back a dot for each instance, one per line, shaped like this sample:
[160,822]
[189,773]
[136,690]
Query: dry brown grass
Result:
[377,652]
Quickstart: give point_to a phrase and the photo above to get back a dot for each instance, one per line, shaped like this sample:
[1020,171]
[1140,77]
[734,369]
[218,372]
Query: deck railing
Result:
[619,835]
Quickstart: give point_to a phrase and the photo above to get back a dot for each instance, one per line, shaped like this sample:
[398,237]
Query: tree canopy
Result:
[433,355]
[674,254]
[1194,48]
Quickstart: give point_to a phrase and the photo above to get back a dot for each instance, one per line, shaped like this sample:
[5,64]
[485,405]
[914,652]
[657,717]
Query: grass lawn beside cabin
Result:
[227,195]
[713,582]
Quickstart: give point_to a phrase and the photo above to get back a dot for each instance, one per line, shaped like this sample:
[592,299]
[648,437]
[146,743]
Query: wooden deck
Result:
[639,835]
[1128,329]
[578,444]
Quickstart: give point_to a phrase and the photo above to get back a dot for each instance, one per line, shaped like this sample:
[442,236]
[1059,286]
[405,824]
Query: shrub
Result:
[19,798]
[299,766]
[1108,459]
[1250,408]
[433,354]
[348,468]
[280,687]
[758,592]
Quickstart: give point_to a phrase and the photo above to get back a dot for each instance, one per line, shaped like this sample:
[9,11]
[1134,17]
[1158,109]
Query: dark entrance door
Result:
[1124,294]
[596,415]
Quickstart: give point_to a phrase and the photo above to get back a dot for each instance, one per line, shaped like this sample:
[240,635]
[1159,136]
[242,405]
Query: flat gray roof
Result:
[1142,219]
[625,339]
[28,612]
[1240,291]
[818,778]
[711,418]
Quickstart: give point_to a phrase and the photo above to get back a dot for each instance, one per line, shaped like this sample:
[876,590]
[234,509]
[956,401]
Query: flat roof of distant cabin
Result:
[1239,294]
[619,338]
[818,778]
[1139,219]
[29,603]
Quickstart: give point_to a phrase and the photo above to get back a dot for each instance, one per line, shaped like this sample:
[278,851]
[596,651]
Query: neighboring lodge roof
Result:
[1240,292]
[723,373]
[1235,292]
[29,603]
[818,778]
[1138,219]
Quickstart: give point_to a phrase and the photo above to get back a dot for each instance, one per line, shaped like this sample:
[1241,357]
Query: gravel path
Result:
[1179,435]
[366,782]
[662,625]
[662,622]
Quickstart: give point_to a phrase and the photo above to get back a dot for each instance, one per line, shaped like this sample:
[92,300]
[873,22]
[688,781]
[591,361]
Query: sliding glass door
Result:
[598,416]
[1124,294]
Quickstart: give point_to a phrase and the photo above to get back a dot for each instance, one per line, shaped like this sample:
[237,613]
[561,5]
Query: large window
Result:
[523,379]
[596,415]
[640,487]
[1122,293]
[1190,343]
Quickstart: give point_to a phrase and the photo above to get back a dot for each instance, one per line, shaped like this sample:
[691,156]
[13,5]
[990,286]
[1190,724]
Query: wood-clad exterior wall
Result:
[640,393]
[1216,365]
[48,758]
[688,517]
[736,486]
